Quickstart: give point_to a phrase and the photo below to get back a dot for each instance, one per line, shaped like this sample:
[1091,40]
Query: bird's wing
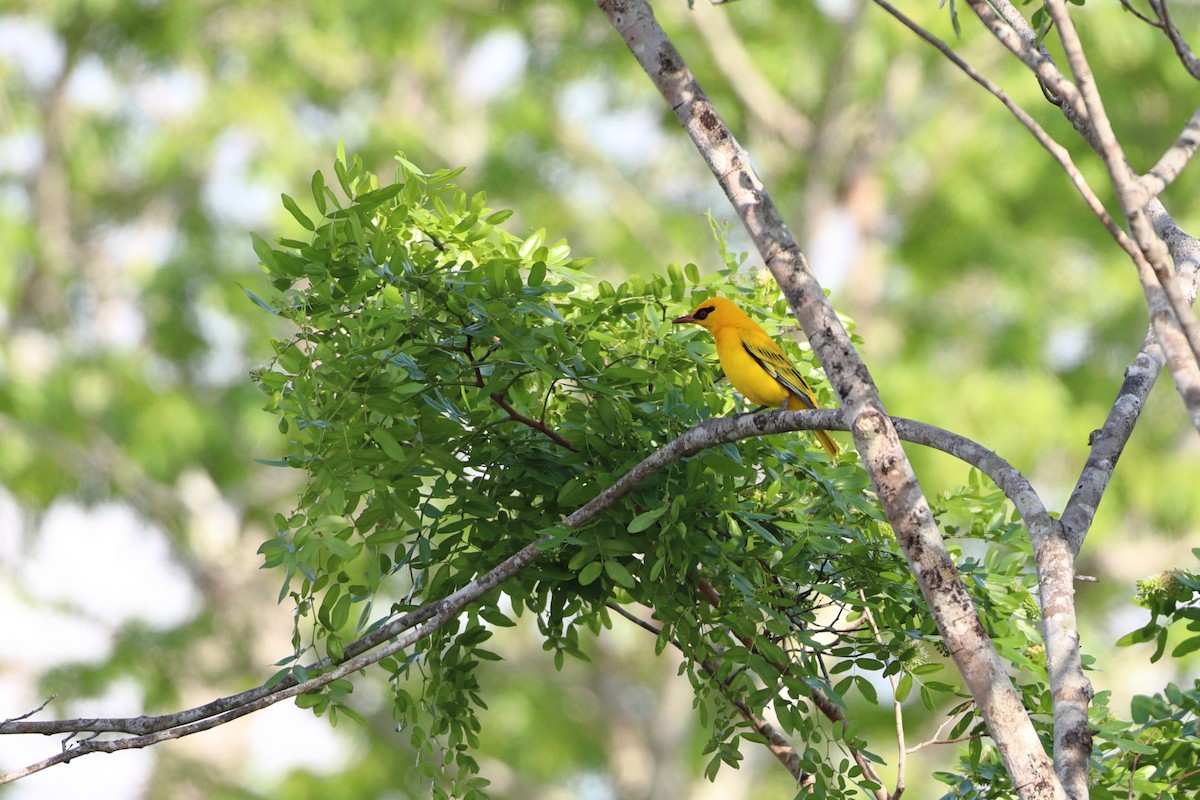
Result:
[773,361]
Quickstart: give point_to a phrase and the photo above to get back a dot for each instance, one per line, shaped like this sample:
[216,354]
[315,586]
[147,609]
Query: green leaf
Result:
[617,571]
[537,274]
[299,215]
[277,678]
[351,714]
[866,689]
[1143,707]
[258,301]
[388,444]
[1188,645]
[340,614]
[266,254]
[339,548]
[1138,636]
[318,191]
[409,167]
[387,536]
[644,520]
[590,572]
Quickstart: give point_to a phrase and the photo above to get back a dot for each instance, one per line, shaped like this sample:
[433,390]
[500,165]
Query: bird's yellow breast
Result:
[744,372]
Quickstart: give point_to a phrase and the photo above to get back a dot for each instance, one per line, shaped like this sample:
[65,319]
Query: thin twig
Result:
[28,714]
[499,399]
[824,704]
[536,424]
[777,743]
[1187,56]
[1128,6]
[937,736]
[1169,790]
[897,708]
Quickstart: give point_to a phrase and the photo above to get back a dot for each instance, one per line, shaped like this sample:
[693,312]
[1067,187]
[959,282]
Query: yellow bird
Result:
[754,363]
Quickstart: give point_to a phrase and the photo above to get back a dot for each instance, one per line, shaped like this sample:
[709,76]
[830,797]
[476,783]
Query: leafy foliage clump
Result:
[453,392]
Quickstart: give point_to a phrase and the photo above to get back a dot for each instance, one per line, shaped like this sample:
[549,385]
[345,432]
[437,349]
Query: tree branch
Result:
[1186,56]
[409,628]
[776,742]
[895,483]
[1175,325]
[423,621]
[1109,441]
[1056,150]
[1015,33]
[1177,156]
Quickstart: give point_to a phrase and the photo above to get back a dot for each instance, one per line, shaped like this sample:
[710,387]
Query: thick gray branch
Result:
[897,487]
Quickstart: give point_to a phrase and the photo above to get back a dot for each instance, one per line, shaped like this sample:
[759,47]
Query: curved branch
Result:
[405,630]
[1016,487]
[410,628]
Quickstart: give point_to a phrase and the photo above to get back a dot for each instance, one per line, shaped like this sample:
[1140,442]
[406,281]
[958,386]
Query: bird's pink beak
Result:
[684,318]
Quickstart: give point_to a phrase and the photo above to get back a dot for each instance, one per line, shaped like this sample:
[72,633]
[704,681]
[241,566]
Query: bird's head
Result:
[713,313]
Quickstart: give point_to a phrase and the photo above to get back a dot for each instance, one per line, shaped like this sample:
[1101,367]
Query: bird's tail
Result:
[824,439]
[828,443]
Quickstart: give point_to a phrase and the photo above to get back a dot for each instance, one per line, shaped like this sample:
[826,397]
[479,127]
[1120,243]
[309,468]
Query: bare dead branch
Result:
[937,739]
[31,712]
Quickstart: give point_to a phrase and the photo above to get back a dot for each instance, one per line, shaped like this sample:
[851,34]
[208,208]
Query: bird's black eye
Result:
[704,312]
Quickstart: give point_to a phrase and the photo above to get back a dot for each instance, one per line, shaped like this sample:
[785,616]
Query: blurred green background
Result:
[141,142]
